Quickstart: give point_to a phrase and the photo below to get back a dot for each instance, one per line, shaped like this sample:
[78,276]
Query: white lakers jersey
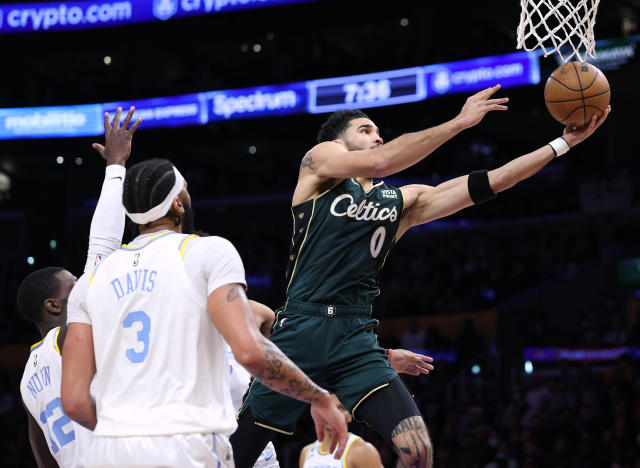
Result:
[316,458]
[40,388]
[240,379]
[161,365]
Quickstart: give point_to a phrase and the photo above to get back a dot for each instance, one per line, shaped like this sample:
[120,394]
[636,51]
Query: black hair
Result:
[35,288]
[337,123]
[146,184]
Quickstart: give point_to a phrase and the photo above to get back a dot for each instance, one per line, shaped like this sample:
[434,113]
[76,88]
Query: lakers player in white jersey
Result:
[149,324]
[42,299]
[358,453]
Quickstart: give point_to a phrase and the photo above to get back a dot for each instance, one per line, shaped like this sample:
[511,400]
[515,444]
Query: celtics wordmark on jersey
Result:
[340,241]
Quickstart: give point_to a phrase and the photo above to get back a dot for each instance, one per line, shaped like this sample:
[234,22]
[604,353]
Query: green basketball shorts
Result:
[336,346]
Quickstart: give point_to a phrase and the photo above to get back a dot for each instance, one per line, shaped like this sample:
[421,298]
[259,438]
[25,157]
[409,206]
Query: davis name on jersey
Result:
[141,280]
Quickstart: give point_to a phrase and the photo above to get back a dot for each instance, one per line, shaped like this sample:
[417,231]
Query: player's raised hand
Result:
[330,412]
[117,147]
[575,136]
[477,106]
[406,362]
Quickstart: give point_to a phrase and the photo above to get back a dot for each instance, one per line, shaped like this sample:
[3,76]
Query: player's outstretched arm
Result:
[41,452]
[107,224]
[327,160]
[407,362]
[425,203]
[231,313]
[78,369]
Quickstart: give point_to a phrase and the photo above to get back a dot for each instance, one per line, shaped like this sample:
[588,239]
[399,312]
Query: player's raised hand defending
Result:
[406,362]
[330,412]
[117,147]
[573,137]
[477,106]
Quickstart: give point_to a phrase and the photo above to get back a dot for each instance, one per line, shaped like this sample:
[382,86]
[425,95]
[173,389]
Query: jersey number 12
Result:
[57,426]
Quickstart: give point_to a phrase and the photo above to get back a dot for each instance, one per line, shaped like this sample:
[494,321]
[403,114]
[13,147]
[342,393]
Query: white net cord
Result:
[553,24]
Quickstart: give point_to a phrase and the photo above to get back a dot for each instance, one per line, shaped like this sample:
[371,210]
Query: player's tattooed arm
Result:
[307,161]
[234,293]
[282,375]
[231,313]
[270,365]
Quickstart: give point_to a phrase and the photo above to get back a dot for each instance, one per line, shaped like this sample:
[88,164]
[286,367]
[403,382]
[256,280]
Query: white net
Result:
[562,26]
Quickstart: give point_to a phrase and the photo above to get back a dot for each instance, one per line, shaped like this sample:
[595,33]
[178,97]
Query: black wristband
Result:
[479,187]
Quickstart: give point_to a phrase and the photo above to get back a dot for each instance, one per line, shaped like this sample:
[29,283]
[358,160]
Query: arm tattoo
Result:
[234,293]
[280,374]
[307,161]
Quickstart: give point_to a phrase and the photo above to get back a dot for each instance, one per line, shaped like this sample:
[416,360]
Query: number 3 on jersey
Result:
[143,335]
[377,241]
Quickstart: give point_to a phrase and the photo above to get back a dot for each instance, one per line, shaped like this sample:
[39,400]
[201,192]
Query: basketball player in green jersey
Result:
[344,226]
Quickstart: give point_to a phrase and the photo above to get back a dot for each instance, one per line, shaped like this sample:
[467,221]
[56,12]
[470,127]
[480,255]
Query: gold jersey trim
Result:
[313,209]
[273,428]
[353,411]
[55,341]
[183,244]
[346,451]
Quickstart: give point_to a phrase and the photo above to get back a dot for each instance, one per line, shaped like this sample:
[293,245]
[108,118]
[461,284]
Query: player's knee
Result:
[419,455]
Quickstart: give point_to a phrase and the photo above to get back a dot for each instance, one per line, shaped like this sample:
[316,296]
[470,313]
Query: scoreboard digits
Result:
[371,90]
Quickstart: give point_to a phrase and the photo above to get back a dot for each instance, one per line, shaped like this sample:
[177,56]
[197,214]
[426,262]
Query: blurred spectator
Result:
[414,336]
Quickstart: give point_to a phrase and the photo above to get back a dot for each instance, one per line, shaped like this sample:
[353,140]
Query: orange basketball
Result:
[575,92]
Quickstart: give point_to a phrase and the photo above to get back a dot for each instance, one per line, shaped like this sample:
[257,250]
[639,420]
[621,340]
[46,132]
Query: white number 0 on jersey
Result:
[377,241]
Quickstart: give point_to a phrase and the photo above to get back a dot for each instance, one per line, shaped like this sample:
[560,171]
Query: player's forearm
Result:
[279,373]
[410,148]
[107,224]
[79,406]
[84,414]
[519,169]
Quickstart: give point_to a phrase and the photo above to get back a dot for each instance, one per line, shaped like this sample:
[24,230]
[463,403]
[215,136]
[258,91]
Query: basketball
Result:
[575,92]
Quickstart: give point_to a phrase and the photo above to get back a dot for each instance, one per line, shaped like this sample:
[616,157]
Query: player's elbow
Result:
[250,356]
[72,403]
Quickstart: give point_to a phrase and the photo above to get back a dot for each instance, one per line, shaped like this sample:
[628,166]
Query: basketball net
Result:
[552,24]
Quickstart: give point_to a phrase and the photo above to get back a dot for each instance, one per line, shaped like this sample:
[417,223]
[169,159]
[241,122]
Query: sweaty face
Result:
[362,134]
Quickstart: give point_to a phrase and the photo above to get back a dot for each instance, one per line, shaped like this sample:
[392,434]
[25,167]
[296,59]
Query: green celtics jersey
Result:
[340,241]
